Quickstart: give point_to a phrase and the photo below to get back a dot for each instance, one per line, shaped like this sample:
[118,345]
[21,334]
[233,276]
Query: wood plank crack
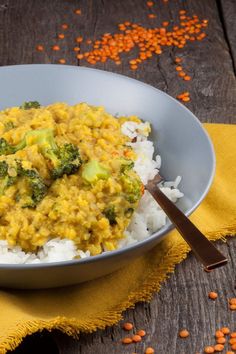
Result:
[223,19]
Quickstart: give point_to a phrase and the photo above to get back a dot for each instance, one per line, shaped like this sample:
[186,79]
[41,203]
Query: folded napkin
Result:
[100,303]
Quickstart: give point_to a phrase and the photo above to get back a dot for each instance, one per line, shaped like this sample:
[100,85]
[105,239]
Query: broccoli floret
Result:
[3,169]
[110,214]
[5,179]
[63,159]
[126,165]
[30,104]
[8,126]
[93,171]
[37,186]
[132,187]
[7,149]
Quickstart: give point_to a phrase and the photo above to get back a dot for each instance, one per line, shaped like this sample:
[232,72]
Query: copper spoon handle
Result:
[203,249]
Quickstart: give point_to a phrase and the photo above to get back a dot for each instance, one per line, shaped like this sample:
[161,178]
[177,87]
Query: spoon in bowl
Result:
[203,249]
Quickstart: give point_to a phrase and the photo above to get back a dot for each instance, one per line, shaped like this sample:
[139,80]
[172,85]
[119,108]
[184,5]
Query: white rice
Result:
[147,219]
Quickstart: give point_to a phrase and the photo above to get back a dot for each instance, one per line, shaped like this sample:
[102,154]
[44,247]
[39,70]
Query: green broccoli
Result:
[8,126]
[8,149]
[37,186]
[126,165]
[63,159]
[132,187]
[110,214]
[5,180]
[93,171]
[30,104]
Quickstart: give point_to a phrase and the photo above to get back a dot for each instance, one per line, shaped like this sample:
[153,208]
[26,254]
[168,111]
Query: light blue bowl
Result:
[179,138]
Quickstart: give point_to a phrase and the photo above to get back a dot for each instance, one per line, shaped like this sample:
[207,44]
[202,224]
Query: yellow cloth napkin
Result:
[99,303]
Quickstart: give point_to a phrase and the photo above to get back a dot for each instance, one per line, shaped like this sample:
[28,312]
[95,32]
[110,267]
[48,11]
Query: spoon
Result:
[203,249]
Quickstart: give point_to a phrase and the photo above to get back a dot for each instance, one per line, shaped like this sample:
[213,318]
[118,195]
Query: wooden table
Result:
[182,301]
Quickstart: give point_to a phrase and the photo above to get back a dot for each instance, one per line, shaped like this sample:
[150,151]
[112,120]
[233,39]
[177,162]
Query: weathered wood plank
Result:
[227,9]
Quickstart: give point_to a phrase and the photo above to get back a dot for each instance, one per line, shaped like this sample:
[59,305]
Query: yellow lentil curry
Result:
[90,203]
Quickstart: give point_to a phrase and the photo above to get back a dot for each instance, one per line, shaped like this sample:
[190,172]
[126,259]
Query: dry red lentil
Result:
[127,340]
[219,347]
[225,330]
[61,36]
[149,350]
[219,334]
[77,12]
[232,301]
[233,334]
[209,350]
[232,307]
[65,26]
[40,48]
[212,295]
[79,39]
[62,61]
[184,333]
[136,338]
[149,40]
[56,47]
[127,326]
[141,333]
[187,78]
[152,15]
[221,340]
[233,346]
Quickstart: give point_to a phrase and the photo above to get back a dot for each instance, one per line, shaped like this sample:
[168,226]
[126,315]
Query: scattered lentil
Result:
[77,12]
[127,340]
[187,78]
[40,48]
[149,350]
[219,347]
[225,330]
[184,333]
[233,334]
[62,61]
[79,39]
[141,333]
[178,60]
[221,340]
[233,346]
[232,307]
[212,295]
[232,301]
[209,350]
[56,47]
[127,326]
[136,338]
[61,36]
[65,26]
[232,340]
[219,334]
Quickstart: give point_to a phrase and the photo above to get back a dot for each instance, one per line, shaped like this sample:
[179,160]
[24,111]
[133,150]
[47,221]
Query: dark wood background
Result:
[182,301]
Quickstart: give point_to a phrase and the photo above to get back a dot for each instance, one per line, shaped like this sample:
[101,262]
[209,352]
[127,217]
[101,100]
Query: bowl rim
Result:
[158,234]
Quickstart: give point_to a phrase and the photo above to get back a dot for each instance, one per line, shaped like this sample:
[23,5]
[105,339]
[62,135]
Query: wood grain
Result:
[182,301]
